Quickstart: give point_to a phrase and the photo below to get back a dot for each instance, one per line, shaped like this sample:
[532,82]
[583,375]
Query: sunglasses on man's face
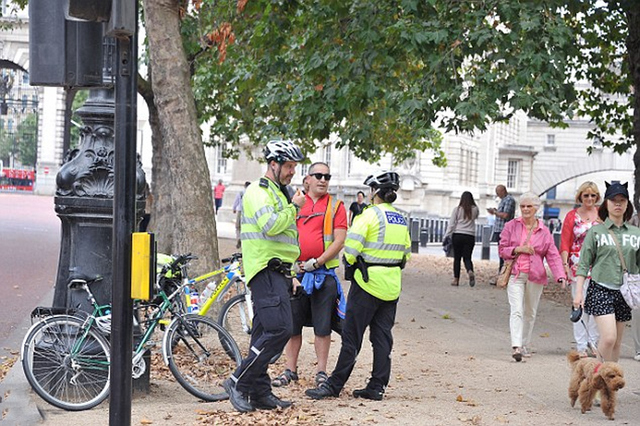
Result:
[319,176]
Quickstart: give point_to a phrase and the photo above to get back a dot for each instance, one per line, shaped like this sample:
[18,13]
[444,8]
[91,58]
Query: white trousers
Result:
[523,299]
[579,330]
[635,324]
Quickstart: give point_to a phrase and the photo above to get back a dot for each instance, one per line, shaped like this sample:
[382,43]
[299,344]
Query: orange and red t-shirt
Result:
[310,223]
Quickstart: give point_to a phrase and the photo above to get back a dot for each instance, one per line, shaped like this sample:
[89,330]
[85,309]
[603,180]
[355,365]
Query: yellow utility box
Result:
[143,265]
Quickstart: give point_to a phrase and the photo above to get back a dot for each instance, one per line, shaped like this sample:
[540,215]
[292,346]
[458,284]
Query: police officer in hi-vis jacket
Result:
[270,247]
[378,245]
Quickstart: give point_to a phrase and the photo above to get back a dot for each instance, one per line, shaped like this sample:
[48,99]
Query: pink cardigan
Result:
[542,243]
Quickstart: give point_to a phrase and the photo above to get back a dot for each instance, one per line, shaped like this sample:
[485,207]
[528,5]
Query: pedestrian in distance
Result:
[322,229]
[237,210]
[218,193]
[462,229]
[600,257]
[356,207]
[505,212]
[528,242]
[270,246]
[378,246]
[574,230]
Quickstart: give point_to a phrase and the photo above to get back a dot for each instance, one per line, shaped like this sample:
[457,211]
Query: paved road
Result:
[29,248]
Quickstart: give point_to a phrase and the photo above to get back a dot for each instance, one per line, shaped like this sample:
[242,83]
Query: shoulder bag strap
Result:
[525,241]
[529,236]
[615,240]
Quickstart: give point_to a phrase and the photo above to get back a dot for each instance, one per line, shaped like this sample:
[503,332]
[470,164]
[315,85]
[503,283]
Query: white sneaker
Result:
[637,356]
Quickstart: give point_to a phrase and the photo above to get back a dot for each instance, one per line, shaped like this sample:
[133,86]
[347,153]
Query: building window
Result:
[551,140]
[349,162]
[222,161]
[513,173]
[304,169]
[468,166]
[327,155]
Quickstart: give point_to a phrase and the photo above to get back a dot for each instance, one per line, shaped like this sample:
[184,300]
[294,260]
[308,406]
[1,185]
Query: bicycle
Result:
[233,283]
[236,314]
[66,355]
[233,278]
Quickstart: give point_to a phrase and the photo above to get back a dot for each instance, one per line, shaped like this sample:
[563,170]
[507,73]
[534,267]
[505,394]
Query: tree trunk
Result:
[161,218]
[182,184]
[633,50]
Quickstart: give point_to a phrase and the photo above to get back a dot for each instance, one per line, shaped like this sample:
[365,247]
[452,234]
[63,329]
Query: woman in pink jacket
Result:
[529,242]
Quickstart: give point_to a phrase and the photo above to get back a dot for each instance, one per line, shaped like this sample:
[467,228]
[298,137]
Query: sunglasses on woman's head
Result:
[319,176]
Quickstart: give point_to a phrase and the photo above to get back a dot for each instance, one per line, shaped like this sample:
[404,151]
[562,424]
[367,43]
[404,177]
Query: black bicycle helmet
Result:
[282,151]
[384,180]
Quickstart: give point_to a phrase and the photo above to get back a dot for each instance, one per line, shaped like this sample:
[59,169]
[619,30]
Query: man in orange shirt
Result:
[322,229]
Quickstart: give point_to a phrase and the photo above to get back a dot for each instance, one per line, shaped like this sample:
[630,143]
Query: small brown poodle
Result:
[590,376]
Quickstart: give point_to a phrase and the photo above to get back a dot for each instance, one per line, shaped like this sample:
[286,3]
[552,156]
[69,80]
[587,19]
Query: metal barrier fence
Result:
[425,230]
[433,229]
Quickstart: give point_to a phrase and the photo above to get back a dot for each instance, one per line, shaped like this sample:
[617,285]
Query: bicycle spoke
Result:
[65,365]
[197,358]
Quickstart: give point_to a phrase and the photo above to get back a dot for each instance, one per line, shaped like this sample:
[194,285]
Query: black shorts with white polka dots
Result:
[601,300]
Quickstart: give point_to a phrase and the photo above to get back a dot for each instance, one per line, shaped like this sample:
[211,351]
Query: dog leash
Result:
[591,346]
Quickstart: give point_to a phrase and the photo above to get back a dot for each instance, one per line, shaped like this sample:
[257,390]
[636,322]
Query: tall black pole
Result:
[124,204]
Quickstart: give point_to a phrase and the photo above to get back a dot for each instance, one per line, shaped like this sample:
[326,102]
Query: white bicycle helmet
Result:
[282,151]
[384,180]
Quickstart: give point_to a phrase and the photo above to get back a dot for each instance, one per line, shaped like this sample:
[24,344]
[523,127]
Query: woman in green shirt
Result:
[600,255]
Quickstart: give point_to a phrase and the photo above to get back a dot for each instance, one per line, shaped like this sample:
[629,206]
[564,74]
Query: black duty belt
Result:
[364,266]
[284,268]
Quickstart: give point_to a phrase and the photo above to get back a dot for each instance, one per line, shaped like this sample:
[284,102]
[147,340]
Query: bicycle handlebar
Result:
[233,257]
[178,262]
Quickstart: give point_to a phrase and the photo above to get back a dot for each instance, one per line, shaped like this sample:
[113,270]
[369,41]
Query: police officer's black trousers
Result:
[271,330]
[365,310]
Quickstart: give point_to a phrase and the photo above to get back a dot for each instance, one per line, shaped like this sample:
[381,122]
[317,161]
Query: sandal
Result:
[517,355]
[321,377]
[285,378]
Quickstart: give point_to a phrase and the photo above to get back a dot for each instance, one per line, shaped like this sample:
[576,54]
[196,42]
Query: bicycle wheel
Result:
[196,357]
[67,365]
[237,320]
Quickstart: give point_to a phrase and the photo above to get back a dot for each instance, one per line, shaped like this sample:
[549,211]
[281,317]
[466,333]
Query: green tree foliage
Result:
[79,99]
[380,75]
[21,143]
[27,141]
[6,147]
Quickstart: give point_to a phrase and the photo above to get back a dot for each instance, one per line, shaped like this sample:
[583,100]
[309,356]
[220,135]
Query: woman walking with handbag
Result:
[574,230]
[527,242]
[606,247]
[462,229]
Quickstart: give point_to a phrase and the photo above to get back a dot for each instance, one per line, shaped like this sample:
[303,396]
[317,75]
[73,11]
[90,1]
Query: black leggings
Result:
[463,245]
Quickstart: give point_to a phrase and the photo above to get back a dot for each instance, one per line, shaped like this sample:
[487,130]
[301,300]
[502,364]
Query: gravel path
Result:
[451,366]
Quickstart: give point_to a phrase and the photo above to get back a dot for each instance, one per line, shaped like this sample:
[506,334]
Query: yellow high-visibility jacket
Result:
[268,227]
[381,236]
